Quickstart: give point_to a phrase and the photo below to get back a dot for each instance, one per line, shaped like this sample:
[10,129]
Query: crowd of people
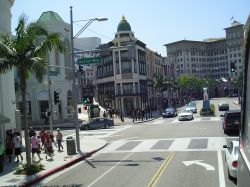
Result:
[42,141]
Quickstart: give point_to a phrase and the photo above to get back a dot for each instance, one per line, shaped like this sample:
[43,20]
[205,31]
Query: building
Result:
[124,76]
[7,87]
[214,57]
[60,78]
[218,58]
[84,48]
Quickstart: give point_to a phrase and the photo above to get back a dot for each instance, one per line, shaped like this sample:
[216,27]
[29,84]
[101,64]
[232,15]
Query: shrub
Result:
[208,112]
[33,169]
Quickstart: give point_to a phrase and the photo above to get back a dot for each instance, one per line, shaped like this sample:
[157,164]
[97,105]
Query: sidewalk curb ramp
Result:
[59,168]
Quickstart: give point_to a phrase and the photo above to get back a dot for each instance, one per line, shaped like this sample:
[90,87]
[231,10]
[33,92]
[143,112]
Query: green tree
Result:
[28,52]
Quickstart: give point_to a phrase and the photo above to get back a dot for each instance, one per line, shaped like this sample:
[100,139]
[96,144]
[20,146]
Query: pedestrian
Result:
[142,114]
[49,148]
[121,115]
[35,147]
[9,144]
[104,114]
[42,135]
[31,132]
[2,153]
[59,138]
[18,146]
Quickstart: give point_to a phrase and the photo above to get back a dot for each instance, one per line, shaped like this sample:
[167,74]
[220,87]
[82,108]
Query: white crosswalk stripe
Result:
[102,133]
[175,144]
[200,119]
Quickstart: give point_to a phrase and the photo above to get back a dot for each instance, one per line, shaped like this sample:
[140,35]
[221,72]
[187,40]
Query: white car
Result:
[185,115]
[231,158]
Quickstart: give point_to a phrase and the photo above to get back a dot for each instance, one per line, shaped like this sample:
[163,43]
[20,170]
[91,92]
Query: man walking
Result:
[59,139]
[18,146]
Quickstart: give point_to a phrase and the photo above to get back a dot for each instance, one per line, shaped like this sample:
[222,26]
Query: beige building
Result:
[124,78]
[212,57]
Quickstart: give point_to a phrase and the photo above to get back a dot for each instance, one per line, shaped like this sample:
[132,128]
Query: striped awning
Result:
[4,119]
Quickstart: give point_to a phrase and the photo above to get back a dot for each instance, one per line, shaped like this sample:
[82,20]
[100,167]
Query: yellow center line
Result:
[159,172]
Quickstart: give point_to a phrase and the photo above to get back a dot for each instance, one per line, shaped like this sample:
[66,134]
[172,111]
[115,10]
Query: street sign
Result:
[92,60]
[53,73]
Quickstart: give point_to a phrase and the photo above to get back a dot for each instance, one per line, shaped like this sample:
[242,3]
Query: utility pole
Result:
[75,114]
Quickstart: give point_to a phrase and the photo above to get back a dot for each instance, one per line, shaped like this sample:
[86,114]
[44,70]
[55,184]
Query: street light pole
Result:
[75,114]
[50,102]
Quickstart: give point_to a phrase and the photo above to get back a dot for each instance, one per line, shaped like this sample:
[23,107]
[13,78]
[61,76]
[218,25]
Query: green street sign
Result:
[92,60]
[53,73]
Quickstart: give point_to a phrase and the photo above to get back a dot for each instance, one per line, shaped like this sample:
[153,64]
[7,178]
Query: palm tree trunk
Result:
[26,134]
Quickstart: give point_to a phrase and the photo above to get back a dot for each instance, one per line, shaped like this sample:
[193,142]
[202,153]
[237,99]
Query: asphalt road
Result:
[163,152]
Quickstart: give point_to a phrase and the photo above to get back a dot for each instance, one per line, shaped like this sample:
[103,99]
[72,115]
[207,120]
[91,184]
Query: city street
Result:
[162,152]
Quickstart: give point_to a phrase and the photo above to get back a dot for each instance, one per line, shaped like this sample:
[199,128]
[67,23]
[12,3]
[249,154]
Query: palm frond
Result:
[39,67]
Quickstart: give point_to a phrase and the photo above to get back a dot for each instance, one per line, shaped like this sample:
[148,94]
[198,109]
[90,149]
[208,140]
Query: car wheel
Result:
[106,126]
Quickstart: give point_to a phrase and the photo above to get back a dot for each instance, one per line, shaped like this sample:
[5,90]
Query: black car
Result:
[231,121]
[97,123]
[223,106]
[169,112]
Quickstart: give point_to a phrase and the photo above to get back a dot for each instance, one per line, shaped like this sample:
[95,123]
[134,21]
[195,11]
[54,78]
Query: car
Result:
[231,158]
[192,107]
[169,112]
[186,114]
[96,123]
[223,106]
[231,121]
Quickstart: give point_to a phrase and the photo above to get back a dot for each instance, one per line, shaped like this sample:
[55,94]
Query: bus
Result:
[244,155]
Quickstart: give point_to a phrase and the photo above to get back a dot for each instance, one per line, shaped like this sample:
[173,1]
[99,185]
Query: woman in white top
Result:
[18,146]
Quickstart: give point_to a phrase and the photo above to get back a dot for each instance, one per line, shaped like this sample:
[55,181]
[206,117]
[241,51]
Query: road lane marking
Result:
[200,163]
[221,169]
[160,171]
[105,173]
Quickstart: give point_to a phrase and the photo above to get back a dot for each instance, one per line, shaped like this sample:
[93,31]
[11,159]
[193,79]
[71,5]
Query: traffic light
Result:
[85,100]
[56,97]
[81,68]
[232,67]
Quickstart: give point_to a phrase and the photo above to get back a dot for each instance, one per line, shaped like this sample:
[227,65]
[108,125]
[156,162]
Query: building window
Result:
[126,67]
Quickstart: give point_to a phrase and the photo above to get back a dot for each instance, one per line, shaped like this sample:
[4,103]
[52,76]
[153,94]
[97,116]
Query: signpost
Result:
[92,60]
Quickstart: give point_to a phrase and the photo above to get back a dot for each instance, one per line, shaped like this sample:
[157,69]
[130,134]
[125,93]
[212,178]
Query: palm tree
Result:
[27,52]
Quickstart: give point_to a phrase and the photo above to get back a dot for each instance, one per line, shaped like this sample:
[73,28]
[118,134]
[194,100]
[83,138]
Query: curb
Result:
[59,168]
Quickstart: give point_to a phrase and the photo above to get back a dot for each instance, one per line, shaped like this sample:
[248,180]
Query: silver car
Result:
[185,115]
[231,158]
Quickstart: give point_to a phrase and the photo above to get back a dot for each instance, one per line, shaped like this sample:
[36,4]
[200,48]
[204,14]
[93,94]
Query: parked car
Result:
[192,107]
[186,114]
[231,121]
[223,106]
[231,158]
[96,123]
[169,112]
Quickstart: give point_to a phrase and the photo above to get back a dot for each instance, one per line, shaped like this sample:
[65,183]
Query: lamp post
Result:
[74,94]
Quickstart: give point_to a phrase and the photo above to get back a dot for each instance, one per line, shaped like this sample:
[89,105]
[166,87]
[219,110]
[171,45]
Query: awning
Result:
[4,119]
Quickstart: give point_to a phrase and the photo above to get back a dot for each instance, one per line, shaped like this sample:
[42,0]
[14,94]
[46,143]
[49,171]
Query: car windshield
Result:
[169,109]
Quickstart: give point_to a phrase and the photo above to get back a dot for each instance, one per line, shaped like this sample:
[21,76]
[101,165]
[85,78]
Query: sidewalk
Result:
[61,160]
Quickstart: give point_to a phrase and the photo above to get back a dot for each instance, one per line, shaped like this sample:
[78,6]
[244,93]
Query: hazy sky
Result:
[154,22]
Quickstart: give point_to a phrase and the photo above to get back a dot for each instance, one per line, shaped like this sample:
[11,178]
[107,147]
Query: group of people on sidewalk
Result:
[141,114]
[43,141]
[112,113]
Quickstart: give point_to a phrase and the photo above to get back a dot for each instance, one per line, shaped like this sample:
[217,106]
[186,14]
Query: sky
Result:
[154,22]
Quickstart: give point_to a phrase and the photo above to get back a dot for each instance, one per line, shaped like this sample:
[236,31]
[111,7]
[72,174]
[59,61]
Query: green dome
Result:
[123,25]
[50,16]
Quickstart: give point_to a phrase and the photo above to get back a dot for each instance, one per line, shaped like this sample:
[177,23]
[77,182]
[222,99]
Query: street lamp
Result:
[75,114]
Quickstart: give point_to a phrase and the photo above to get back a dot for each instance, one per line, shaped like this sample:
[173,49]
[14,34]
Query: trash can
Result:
[71,145]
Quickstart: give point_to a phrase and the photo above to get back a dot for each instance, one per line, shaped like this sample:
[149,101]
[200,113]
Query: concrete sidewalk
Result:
[60,161]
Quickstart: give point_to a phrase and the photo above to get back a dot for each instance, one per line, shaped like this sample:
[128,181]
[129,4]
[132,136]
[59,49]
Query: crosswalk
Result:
[101,133]
[175,120]
[171,144]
